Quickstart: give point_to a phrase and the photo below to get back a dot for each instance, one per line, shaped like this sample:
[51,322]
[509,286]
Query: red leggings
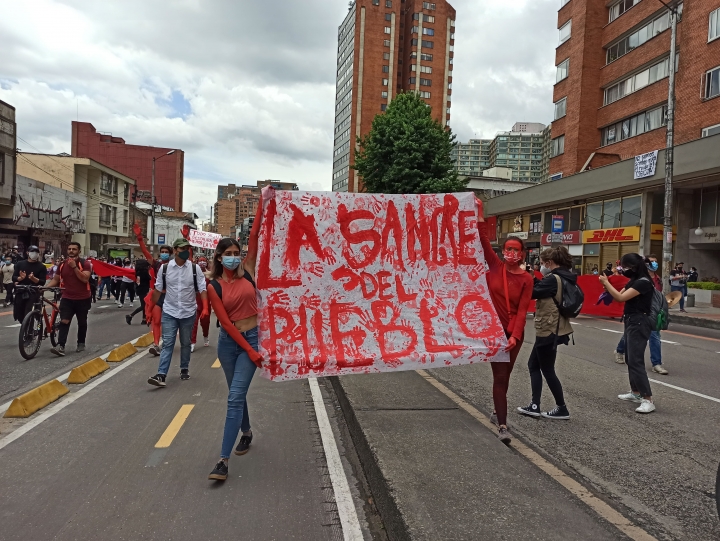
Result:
[205,322]
[501,381]
[157,324]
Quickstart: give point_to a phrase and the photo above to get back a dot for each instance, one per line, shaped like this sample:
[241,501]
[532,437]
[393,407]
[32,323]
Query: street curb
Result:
[395,525]
[695,321]
[36,399]
[121,353]
[87,371]
[144,341]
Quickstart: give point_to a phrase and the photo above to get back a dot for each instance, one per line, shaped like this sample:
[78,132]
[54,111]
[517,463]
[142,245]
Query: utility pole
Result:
[152,199]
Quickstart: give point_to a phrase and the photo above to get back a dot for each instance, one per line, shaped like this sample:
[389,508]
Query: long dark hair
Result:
[217,268]
[636,263]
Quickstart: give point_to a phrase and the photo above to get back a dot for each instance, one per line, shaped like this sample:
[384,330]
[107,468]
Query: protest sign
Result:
[362,283]
[645,164]
[203,239]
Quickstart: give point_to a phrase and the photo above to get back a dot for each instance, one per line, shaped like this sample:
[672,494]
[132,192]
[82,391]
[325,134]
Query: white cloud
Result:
[245,88]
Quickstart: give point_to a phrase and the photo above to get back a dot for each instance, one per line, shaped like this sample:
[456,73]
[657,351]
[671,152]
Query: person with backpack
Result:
[142,288]
[638,296]
[234,300]
[557,296]
[180,280]
[74,277]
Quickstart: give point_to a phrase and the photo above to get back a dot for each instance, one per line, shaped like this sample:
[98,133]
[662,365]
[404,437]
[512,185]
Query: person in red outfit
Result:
[204,322]
[510,291]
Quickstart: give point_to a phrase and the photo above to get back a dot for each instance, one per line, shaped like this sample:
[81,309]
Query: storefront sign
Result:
[618,234]
[645,164]
[569,237]
[161,238]
[519,234]
[656,232]
[710,235]
[558,223]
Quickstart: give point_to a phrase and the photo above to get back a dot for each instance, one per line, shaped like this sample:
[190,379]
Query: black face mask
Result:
[629,273]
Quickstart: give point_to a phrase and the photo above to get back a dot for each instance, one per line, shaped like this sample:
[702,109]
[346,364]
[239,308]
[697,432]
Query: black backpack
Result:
[571,300]
[659,310]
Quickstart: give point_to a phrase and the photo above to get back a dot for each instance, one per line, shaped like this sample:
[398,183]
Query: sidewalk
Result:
[437,473]
[701,315]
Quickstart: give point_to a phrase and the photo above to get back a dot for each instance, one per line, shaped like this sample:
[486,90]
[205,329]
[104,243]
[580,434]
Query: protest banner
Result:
[203,239]
[361,283]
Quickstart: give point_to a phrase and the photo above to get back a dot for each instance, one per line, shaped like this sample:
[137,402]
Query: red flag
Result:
[103,269]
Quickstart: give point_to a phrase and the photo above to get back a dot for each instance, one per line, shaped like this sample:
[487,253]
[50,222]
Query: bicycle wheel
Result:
[53,330]
[30,335]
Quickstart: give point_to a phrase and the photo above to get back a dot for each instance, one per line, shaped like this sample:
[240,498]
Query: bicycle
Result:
[36,325]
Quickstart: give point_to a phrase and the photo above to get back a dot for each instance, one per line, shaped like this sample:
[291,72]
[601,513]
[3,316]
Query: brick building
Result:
[134,161]
[612,79]
[386,47]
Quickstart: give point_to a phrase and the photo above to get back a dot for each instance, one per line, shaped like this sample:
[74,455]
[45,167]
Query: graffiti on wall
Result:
[39,215]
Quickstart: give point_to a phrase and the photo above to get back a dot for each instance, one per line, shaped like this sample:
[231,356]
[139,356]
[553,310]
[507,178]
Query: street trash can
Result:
[690,300]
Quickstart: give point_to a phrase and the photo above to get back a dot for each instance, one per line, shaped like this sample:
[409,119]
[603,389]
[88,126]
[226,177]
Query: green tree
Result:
[407,151]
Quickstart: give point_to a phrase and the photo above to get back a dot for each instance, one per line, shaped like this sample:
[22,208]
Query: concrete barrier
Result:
[144,341]
[121,353]
[32,401]
[88,370]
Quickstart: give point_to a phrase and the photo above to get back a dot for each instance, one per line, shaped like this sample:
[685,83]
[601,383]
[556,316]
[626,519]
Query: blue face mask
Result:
[165,256]
[231,262]
[653,266]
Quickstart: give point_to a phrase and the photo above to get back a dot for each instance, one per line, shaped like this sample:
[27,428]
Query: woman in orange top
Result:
[233,298]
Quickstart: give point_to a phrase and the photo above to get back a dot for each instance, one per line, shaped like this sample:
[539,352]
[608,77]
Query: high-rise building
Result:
[520,150]
[611,86]
[386,47]
[135,161]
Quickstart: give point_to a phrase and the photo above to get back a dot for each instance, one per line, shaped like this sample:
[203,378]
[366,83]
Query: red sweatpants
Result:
[157,324]
[501,381]
[205,322]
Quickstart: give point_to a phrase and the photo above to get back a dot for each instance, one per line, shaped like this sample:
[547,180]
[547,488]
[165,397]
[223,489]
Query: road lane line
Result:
[611,330]
[343,498]
[11,326]
[669,342]
[686,390]
[69,399]
[174,427]
[216,364]
[596,504]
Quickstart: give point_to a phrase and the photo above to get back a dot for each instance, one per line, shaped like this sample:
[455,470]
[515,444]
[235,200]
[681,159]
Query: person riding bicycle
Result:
[28,272]
[74,277]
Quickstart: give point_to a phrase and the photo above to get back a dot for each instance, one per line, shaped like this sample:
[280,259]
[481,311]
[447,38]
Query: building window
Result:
[386,69]
[428,18]
[558,146]
[428,31]
[376,2]
[411,81]
[427,57]
[428,5]
[383,106]
[384,94]
[414,29]
[565,31]
[429,44]
[712,83]
[386,43]
[562,70]
[635,125]
[637,38]
[637,81]
[384,82]
[413,41]
[424,94]
[620,8]
[707,132]
[388,3]
[388,16]
[560,107]
[387,29]
[425,82]
[386,56]
[714,26]
[452,35]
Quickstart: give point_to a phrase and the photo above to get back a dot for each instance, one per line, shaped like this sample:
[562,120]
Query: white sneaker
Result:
[207,341]
[122,305]
[619,358]
[646,406]
[631,397]
[660,369]
[192,348]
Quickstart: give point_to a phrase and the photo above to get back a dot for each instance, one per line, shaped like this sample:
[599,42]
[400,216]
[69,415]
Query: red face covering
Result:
[513,258]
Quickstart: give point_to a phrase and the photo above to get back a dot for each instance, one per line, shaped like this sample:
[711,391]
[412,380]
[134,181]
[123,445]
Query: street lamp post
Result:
[152,198]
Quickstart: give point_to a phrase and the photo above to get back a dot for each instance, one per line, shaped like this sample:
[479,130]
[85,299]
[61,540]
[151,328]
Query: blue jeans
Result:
[170,327]
[655,349]
[239,371]
[104,283]
[683,290]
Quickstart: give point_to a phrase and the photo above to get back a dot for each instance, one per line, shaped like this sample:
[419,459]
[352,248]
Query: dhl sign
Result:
[656,232]
[617,234]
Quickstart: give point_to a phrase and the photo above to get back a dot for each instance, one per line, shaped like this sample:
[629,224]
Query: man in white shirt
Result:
[181,281]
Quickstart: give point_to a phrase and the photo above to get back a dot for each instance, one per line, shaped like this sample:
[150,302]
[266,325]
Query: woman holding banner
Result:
[510,290]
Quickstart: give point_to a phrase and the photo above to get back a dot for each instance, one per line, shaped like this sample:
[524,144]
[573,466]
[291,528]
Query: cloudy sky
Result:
[245,88]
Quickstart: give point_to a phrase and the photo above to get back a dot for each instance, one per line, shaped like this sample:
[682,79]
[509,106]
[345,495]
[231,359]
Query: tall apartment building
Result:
[611,87]
[520,150]
[386,47]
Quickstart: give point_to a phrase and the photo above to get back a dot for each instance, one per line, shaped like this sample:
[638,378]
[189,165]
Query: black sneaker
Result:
[128,318]
[154,350]
[58,350]
[560,412]
[220,472]
[244,445]
[80,348]
[158,380]
[533,410]
[185,374]
[143,322]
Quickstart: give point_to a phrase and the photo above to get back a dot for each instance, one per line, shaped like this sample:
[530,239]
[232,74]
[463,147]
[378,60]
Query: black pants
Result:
[93,292]
[9,293]
[637,334]
[68,309]
[116,290]
[128,287]
[23,305]
[542,363]
[141,293]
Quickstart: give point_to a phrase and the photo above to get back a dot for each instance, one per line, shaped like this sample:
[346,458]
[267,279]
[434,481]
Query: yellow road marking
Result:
[174,427]
[216,364]
[596,504]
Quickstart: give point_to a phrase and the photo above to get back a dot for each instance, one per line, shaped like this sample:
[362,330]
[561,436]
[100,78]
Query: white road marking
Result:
[70,398]
[669,342]
[686,390]
[611,330]
[343,498]
[11,326]
[575,323]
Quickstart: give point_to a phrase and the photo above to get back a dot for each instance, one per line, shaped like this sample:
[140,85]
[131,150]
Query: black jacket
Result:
[35,267]
[547,287]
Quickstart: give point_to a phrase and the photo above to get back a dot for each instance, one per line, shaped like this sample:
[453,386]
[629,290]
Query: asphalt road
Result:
[658,469]
[94,469]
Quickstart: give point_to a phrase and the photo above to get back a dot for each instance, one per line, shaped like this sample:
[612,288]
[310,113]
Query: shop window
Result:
[611,214]
[708,209]
[658,207]
[536,223]
[575,219]
[631,211]
[593,216]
